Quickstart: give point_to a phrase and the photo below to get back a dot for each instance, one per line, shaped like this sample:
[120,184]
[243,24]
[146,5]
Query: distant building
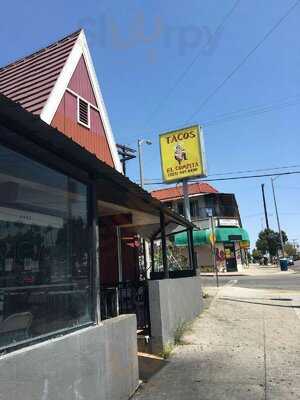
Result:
[231,239]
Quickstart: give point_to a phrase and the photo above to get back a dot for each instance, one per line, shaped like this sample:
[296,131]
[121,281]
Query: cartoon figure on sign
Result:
[180,153]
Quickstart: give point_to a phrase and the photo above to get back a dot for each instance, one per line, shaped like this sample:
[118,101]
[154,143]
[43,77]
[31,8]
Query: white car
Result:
[290,260]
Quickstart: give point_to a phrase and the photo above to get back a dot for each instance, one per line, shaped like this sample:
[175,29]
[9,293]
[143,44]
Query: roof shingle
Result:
[30,80]
[174,193]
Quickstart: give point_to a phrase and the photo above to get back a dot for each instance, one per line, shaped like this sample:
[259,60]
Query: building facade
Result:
[71,297]
[59,84]
[230,237]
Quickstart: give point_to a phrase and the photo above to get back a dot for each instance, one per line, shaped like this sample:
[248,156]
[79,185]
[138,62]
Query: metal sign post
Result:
[187,214]
[214,248]
[186,200]
[213,243]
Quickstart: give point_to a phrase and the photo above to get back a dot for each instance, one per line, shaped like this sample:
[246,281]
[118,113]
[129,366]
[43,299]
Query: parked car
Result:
[291,260]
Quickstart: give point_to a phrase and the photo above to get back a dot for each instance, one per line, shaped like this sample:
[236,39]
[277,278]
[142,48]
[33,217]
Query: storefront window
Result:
[45,270]
[178,259]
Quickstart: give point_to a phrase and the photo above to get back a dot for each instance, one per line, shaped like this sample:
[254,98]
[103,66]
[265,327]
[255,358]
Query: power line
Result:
[256,215]
[183,74]
[256,170]
[234,178]
[257,107]
[269,214]
[249,114]
[244,60]
[245,171]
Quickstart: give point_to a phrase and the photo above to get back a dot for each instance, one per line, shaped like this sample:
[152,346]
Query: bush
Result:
[207,268]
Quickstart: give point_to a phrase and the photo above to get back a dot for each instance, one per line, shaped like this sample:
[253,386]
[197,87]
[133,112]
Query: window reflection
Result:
[44,250]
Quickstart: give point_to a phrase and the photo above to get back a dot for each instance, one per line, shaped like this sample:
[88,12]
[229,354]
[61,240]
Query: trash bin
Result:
[284,264]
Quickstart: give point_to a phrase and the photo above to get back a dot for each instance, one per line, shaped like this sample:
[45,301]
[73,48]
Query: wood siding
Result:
[81,84]
[92,139]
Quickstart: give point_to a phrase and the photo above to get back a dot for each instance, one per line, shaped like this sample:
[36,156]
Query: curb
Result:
[261,273]
[222,274]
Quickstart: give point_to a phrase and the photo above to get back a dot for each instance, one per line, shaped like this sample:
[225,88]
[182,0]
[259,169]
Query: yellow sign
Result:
[182,154]
[244,244]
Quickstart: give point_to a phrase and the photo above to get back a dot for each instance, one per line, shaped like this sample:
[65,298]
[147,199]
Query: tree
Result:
[290,249]
[269,241]
[256,255]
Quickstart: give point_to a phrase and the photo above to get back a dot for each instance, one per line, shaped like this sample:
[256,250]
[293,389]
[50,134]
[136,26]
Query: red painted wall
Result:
[65,118]
[81,84]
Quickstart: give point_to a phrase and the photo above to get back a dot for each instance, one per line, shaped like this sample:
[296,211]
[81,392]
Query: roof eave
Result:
[32,128]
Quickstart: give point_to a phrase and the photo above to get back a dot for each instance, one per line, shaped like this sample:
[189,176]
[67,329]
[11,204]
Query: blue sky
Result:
[140,49]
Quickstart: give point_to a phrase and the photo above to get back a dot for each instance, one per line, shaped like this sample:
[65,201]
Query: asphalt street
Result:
[270,281]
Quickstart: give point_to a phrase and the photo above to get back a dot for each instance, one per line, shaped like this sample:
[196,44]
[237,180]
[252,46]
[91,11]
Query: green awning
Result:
[222,235]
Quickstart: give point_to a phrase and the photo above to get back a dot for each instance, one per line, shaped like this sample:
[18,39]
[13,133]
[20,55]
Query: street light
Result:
[277,216]
[140,155]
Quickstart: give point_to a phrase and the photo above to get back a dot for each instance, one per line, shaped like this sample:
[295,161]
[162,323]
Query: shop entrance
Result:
[231,264]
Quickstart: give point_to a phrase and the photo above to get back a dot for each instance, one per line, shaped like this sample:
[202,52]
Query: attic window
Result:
[83,112]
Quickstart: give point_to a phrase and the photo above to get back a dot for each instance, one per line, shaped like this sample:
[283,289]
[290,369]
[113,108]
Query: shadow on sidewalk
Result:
[149,365]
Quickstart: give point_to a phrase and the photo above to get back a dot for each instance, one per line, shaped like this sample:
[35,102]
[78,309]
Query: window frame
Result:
[69,170]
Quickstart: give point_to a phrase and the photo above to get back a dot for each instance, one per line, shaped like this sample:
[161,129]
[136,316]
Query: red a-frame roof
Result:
[39,82]
[30,80]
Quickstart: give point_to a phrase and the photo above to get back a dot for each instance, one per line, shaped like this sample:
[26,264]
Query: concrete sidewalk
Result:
[246,346]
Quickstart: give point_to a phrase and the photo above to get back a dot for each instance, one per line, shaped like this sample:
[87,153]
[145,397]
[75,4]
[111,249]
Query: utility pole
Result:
[277,217]
[126,154]
[266,216]
[265,206]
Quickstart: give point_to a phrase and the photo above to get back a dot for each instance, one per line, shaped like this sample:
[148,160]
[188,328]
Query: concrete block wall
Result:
[172,302]
[96,363]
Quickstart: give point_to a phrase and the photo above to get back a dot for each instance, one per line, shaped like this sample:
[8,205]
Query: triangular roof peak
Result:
[38,82]
[80,49]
